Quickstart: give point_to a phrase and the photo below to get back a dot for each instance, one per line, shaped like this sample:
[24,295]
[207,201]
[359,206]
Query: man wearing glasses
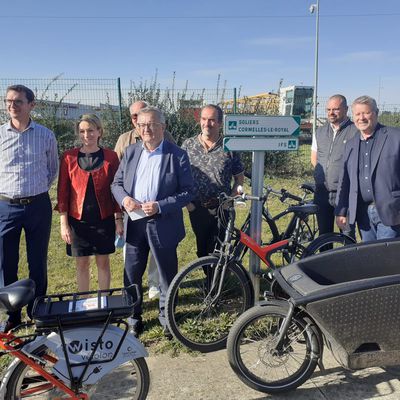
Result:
[126,139]
[152,184]
[28,166]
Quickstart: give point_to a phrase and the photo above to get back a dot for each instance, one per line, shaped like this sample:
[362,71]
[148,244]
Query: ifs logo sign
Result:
[232,125]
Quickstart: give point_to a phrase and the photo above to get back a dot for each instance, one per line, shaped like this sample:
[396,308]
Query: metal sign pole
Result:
[259,133]
[257,183]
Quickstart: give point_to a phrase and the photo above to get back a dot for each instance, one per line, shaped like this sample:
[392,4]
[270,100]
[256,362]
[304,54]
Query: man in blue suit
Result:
[152,185]
[369,187]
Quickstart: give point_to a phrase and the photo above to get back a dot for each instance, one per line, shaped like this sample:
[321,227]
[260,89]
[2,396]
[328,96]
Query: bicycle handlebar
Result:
[245,196]
[284,194]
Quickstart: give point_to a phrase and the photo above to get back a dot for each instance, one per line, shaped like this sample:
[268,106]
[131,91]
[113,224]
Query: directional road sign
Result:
[261,125]
[260,144]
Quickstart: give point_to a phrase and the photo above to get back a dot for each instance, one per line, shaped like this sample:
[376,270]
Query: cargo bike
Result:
[347,300]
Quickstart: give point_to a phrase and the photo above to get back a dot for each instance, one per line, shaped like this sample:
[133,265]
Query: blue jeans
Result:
[377,230]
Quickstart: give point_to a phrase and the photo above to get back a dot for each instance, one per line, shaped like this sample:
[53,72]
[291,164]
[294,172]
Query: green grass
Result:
[62,273]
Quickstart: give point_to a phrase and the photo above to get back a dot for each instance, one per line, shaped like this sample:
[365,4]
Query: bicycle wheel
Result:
[258,363]
[199,318]
[25,382]
[326,242]
[130,380]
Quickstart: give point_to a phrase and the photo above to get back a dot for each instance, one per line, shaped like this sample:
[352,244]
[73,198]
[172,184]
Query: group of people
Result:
[356,170]
[136,192]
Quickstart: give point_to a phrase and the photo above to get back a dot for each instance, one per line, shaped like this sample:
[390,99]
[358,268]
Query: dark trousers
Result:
[35,219]
[326,211]
[141,237]
[205,227]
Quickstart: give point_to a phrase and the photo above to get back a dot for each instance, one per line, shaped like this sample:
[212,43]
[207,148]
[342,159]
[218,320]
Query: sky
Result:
[249,44]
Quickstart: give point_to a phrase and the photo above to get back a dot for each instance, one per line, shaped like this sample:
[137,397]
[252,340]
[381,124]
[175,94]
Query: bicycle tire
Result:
[13,390]
[24,382]
[327,242]
[193,318]
[254,358]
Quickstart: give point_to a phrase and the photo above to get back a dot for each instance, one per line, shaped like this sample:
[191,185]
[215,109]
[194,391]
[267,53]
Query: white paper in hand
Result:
[136,214]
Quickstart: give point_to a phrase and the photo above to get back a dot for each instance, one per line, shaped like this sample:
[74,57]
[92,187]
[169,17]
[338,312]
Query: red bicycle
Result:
[207,296]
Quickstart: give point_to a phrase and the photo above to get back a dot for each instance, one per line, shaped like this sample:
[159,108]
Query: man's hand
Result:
[150,208]
[341,222]
[130,204]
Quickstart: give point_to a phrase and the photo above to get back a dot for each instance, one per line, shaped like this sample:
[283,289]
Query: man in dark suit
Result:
[152,184]
[369,187]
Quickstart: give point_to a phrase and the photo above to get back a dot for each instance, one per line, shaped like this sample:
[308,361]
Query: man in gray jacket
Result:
[327,158]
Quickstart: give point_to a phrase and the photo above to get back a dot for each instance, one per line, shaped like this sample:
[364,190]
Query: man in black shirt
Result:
[212,171]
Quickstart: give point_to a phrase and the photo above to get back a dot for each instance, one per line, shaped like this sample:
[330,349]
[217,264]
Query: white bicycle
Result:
[80,347]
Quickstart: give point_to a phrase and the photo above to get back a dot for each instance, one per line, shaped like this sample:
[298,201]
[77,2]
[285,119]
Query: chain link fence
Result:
[62,101]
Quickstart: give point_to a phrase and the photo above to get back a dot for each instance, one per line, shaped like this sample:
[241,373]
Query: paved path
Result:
[209,376]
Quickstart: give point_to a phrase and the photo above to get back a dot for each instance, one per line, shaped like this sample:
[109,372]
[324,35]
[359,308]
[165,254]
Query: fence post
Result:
[119,103]
[234,101]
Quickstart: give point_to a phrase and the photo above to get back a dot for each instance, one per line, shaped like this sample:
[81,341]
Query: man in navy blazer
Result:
[153,182]
[369,187]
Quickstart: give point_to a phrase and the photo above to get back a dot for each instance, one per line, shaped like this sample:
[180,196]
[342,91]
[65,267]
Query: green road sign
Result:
[260,144]
[261,125]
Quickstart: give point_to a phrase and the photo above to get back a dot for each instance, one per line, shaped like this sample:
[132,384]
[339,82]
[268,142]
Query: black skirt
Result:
[91,238]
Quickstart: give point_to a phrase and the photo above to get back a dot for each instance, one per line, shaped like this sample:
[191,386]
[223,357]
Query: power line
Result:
[191,18]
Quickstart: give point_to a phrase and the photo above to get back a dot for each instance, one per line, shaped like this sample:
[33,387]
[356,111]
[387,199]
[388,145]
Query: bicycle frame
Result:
[277,236]
[244,242]
[32,361]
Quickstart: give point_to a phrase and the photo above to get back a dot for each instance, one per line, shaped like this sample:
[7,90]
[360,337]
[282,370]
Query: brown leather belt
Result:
[22,201]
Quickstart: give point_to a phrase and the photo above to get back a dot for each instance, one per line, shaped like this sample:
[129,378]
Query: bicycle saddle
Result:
[306,208]
[13,297]
[308,186]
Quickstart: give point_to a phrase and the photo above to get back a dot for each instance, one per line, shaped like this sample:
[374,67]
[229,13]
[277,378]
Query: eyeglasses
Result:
[150,125]
[8,102]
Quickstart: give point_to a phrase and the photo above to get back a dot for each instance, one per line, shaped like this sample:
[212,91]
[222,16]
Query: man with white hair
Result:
[152,184]
[126,139]
[369,187]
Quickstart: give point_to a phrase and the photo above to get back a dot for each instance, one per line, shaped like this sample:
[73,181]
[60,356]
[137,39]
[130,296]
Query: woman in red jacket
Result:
[89,215]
